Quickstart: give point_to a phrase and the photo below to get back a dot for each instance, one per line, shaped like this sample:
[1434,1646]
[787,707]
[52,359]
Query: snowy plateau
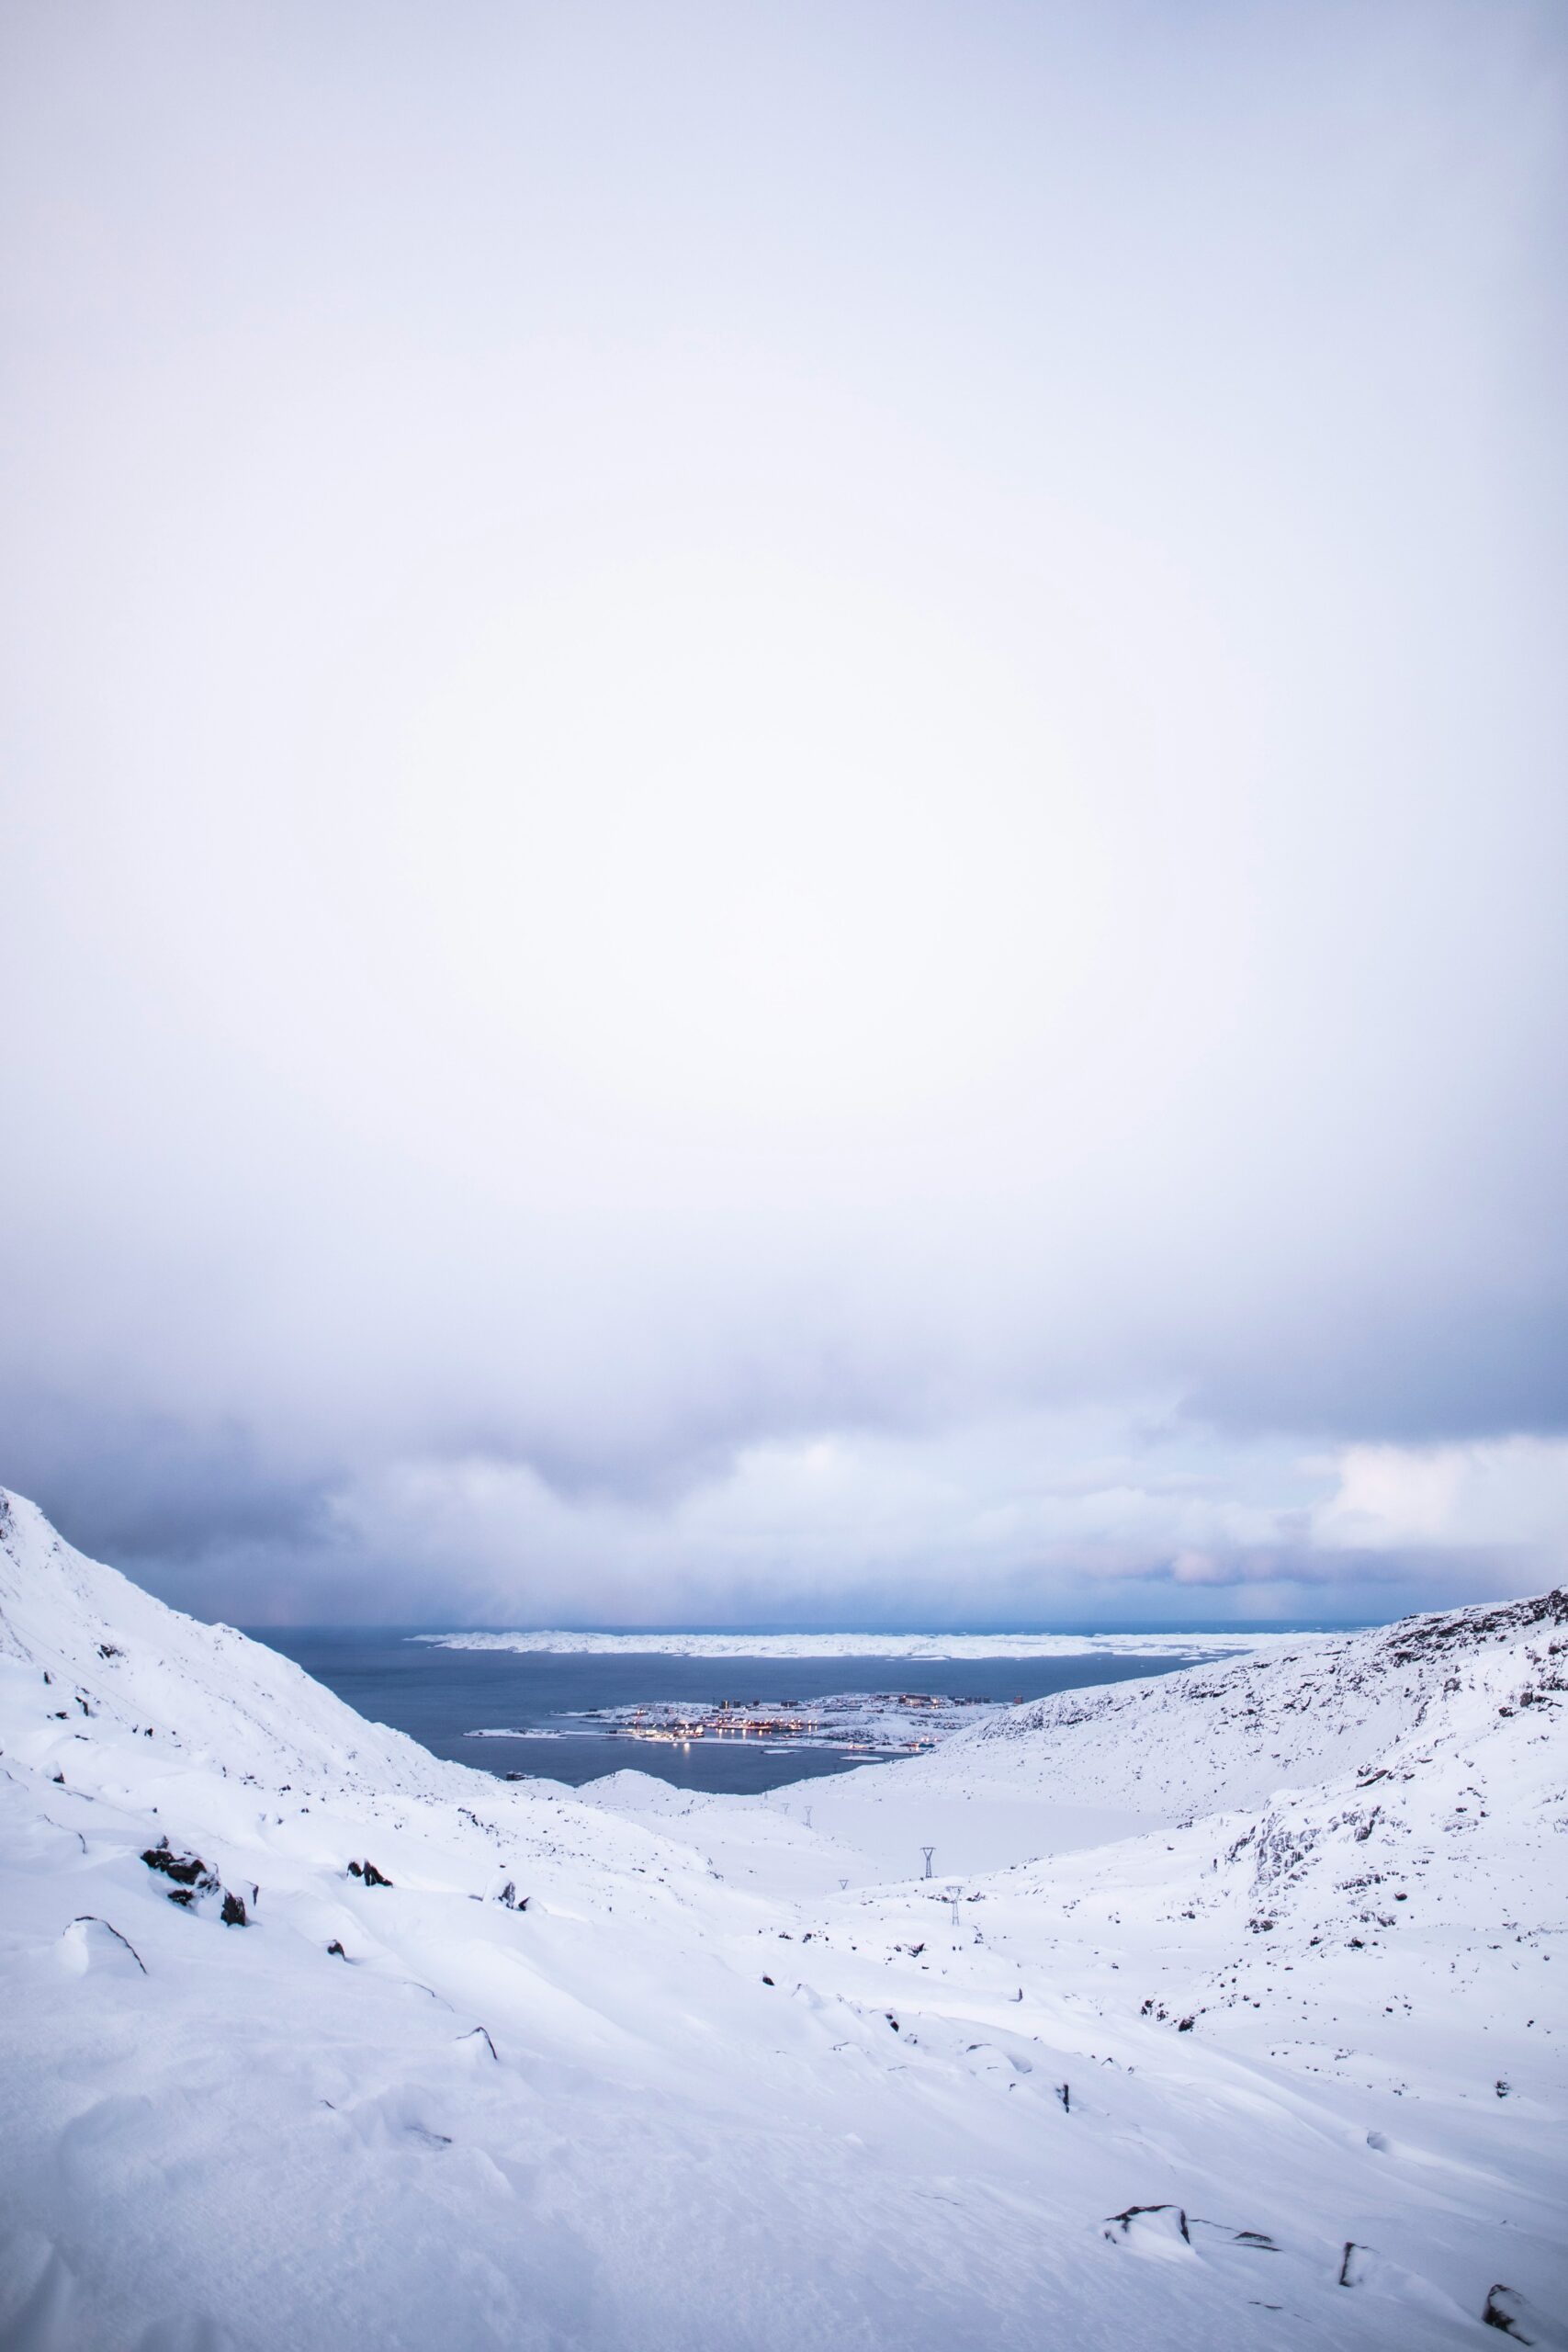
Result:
[1231,2014]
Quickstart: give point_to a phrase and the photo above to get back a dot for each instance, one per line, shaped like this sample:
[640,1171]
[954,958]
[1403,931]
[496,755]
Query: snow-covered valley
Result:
[1226,2012]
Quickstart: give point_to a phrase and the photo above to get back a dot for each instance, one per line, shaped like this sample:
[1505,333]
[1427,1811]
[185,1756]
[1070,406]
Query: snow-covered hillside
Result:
[630,2067]
[1386,1820]
[1309,1712]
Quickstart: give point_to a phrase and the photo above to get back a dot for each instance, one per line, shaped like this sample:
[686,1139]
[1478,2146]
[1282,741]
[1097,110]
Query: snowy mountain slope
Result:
[660,2105]
[1383,1901]
[1425,1882]
[1400,1792]
[141,1703]
[1197,1742]
[1085,1766]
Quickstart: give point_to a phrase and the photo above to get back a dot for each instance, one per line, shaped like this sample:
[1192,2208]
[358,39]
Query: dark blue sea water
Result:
[440,1695]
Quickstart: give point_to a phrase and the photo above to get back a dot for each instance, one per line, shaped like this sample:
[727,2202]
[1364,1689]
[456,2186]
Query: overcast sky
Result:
[784,828]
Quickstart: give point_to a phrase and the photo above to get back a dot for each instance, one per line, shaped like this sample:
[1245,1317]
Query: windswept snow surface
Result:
[687,2089]
[919,1646]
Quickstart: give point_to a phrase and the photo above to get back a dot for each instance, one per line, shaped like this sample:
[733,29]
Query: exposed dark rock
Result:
[1254,2240]
[1504,2310]
[233,1913]
[1125,2220]
[188,1870]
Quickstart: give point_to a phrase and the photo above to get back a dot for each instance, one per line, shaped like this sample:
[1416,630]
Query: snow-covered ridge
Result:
[125,1692]
[935,1647]
[1308,1711]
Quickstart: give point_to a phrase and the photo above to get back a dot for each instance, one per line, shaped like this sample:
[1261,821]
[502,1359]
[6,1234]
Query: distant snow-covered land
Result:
[906,1646]
[1222,2016]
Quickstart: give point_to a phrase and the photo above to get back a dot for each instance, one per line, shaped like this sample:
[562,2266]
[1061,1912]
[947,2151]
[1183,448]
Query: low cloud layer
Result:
[1088,1518]
[783,835]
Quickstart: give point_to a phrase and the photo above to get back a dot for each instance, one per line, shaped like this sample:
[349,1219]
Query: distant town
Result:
[873,1722]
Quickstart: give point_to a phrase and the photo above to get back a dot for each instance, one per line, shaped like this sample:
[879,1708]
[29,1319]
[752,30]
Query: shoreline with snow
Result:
[848,1722]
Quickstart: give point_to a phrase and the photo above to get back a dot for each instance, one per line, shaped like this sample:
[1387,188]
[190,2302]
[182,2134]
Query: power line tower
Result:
[928,1852]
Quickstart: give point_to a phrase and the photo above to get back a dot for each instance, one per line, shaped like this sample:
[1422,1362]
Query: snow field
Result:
[591,2121]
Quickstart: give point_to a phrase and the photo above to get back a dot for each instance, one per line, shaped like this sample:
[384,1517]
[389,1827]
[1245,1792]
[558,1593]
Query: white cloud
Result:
[1506,1493]
[1010,1521]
